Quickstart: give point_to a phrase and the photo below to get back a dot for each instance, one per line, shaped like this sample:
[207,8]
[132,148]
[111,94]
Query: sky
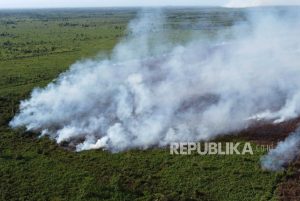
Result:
[121,3]
[105,3]
[251,3]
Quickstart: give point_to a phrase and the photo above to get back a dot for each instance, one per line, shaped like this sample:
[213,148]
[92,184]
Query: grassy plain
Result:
[35,47]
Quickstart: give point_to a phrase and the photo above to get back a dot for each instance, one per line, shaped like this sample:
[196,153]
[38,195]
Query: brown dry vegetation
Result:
[270,134]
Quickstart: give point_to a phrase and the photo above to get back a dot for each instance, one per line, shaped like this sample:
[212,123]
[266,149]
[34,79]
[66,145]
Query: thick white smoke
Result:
[284,153]
[152,92]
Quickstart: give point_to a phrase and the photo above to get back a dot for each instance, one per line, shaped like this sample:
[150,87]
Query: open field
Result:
[38,45]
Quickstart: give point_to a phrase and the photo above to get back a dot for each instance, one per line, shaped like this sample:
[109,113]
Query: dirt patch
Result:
[268,133]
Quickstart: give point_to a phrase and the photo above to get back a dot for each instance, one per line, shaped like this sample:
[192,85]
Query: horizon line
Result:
[139,6]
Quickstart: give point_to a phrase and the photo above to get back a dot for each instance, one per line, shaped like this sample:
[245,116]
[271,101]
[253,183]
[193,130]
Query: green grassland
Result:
[35,47]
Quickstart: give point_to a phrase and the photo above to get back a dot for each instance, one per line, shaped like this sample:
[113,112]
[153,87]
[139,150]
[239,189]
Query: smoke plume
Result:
[284,153]
[152,91]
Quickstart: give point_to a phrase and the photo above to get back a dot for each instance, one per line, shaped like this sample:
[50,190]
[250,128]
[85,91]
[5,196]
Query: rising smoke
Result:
[151,92]
[284,153]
